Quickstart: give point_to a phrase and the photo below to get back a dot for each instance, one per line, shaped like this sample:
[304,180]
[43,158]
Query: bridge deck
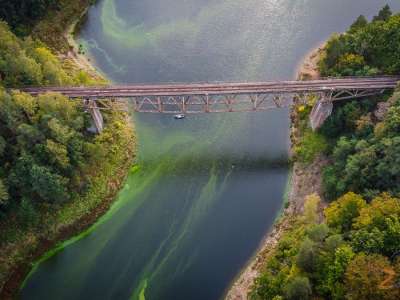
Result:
[269,87]
[227,97]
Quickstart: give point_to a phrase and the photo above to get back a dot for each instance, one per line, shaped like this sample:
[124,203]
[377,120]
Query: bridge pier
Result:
[320,112]
[97,117]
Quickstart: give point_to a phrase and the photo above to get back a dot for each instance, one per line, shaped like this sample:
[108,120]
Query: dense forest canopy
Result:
[55,174]
[22,14]
[365,146]
[366,49]
[47,155]
[349,256]
[28,62]
[367,159]
[353,252]
[25,62]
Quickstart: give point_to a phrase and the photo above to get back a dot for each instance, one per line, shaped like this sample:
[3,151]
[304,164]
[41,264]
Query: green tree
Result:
[341,213]
[358,24]
[58,154]
[53,73]
[28,136]
[368,241]
[3,145]
[335,47]
[298,288]
[333,242]
[384,14]
[336,271]
[3,193]
[310,214]
[307,257]
[50,187]
[377,228]
[350,64]
[27,213]
[269,286]
[318,232]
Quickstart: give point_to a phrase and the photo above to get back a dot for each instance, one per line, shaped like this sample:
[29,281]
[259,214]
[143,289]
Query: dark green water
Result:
[209,187]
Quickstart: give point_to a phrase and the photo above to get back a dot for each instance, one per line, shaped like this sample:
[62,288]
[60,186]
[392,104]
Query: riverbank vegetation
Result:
[46,20]
[350,254]
[26,62]
[350,249]
[54,173]
[367,48]
[23,14]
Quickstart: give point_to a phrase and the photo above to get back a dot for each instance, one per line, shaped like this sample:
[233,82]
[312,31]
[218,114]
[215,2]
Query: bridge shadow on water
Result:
[189,165]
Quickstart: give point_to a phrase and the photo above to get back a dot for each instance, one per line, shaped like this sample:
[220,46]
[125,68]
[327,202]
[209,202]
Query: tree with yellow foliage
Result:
[341,213]
[365,278]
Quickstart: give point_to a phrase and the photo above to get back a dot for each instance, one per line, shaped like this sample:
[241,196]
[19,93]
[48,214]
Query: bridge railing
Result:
[213,82]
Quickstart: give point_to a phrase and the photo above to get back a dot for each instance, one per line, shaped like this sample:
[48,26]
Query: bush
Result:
[310,146]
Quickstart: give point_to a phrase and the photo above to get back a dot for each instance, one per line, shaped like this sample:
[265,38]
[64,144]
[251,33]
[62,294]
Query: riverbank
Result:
[79,59]
[303,181]
[20,247]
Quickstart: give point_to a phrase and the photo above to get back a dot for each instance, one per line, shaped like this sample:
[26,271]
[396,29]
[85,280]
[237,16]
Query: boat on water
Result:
[179,116]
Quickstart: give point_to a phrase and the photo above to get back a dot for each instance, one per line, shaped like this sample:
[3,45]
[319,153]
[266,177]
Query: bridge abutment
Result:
[320,112]
[97,117]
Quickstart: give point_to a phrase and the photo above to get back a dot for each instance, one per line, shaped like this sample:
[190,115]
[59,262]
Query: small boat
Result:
[179,116]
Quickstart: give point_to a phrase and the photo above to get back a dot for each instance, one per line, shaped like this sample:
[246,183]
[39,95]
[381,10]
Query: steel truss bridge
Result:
[227,97]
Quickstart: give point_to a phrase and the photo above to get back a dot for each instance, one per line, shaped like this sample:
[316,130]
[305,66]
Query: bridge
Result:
[226,97]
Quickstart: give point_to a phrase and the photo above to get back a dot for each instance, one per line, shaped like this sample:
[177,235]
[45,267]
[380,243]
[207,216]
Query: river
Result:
[207,188]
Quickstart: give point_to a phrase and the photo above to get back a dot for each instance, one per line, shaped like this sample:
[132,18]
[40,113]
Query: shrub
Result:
[310,146]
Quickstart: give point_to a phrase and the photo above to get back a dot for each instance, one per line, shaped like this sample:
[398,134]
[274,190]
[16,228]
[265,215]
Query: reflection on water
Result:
[208,187]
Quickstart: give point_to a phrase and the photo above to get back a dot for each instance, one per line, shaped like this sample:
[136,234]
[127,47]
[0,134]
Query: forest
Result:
[350,249]
[53,170]
[21,15]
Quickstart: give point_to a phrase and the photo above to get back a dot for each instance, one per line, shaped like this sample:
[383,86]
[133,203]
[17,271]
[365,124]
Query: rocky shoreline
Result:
[304,180]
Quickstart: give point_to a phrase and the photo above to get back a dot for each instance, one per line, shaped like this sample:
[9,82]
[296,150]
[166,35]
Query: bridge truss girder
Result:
[217,103]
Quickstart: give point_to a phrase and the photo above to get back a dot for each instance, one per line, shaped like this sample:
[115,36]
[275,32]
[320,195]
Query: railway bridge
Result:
[226,97]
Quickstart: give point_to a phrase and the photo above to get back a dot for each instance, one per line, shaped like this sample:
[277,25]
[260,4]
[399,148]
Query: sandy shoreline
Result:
[303,181]
[81,61]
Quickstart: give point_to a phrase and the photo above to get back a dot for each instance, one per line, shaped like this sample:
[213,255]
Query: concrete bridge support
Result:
[97,118]
[320,112]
